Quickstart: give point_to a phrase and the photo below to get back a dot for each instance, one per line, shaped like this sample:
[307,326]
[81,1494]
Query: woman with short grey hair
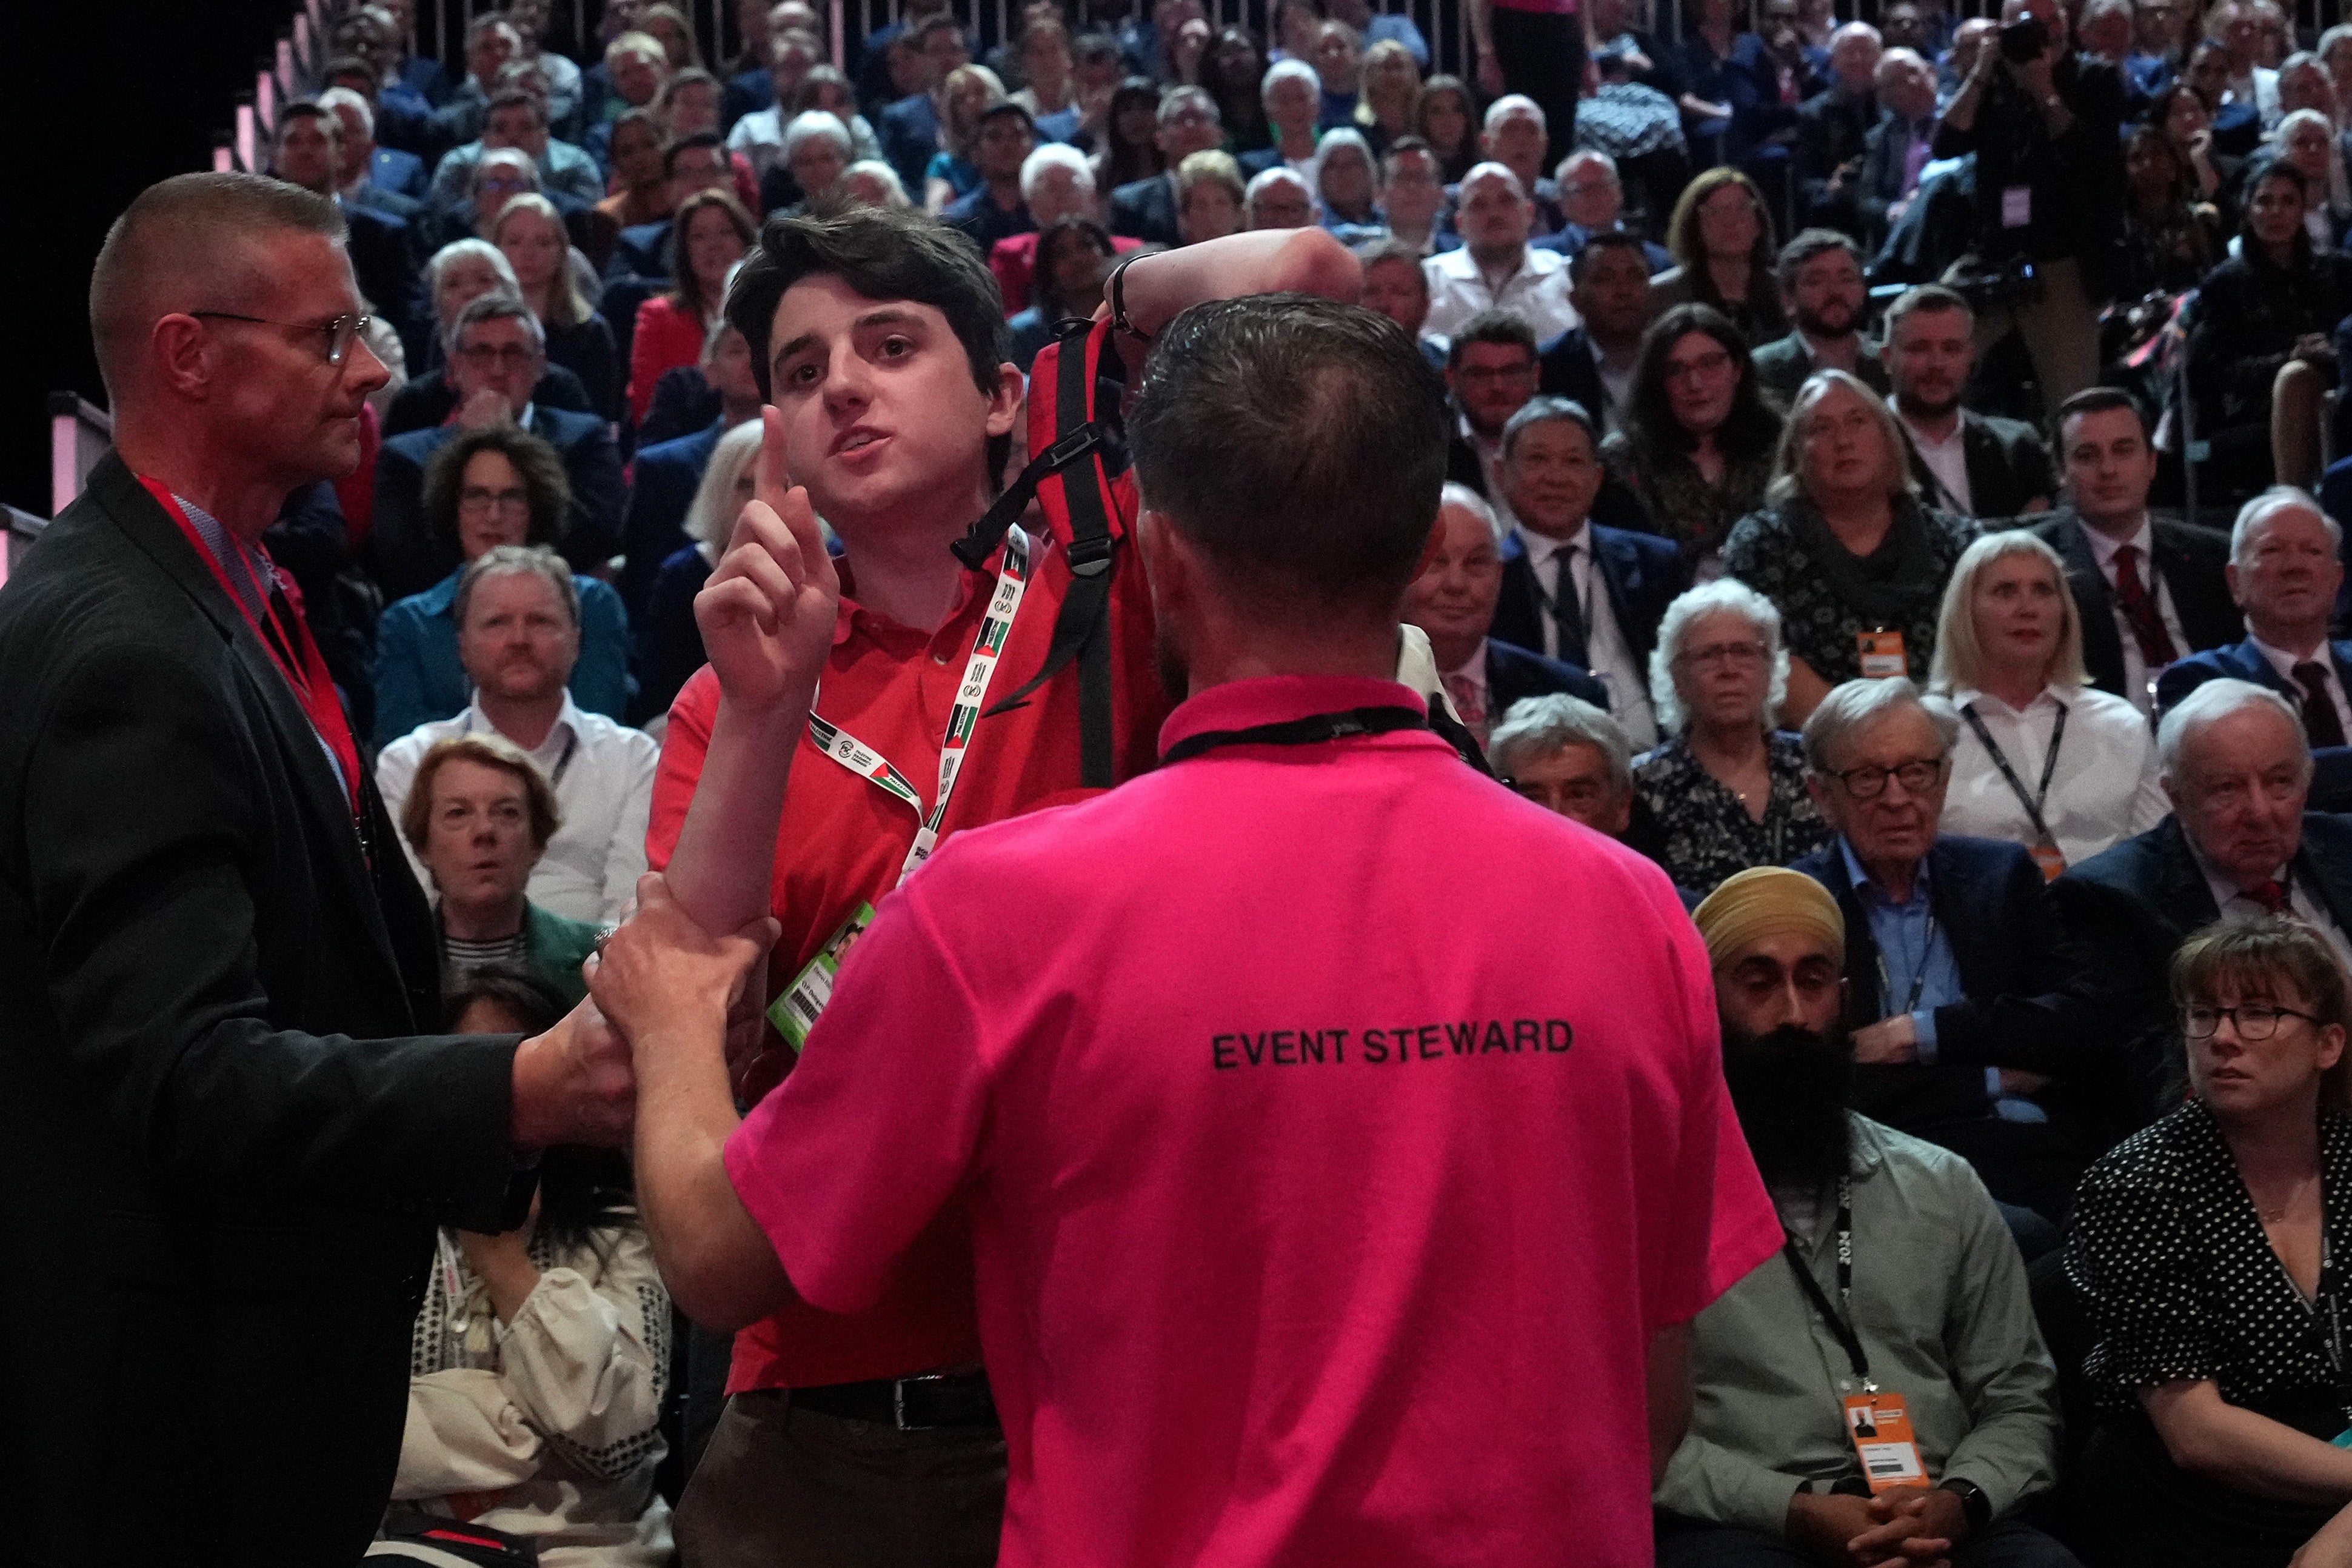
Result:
[1724,791]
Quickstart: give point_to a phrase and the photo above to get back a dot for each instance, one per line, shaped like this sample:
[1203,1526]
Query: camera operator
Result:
[2045,125]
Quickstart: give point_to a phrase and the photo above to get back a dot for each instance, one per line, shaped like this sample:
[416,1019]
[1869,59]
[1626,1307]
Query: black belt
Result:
[908,1404]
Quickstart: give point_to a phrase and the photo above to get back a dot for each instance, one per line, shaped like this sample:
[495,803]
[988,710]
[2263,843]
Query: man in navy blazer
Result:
[2283,573]
[1617,583]
[1954,958]
[1609,283]
[493,382]
[1146,209]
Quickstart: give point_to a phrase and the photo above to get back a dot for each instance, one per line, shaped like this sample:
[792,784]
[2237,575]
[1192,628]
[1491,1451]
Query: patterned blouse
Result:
[1704,835]
[2170,1253]
[1785,558]
[1682,506]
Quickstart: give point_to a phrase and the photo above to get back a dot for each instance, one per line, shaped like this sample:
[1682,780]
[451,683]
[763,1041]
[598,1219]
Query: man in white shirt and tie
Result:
[2147,592]
[1586,595]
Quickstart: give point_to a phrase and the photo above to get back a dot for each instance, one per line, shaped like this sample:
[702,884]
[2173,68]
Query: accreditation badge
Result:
[1880,1425]
[1881,655]
[795,1012]
[2051,859]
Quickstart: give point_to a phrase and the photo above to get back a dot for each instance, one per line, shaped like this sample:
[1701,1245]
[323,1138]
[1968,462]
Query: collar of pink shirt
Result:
[1279,699]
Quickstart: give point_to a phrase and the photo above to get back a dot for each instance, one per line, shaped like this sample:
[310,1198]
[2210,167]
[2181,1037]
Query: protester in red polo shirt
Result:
[1253,1287]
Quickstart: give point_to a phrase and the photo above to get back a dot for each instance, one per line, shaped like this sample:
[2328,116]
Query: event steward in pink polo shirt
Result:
[1321,1213]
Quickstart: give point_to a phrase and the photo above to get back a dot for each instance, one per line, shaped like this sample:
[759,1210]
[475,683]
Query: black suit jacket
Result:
[1642,573]
[2008,468]
[223,1145]
[1782,365]
[2127,911]
[1991,904]
[1145,210]
[2190,560]
[1515,673]
[1570,369]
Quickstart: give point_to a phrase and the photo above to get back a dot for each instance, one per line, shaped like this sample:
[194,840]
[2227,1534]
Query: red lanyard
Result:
[288,640]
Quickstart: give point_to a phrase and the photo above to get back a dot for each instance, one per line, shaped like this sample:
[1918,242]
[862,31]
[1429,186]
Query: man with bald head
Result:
[228,1128]
[2240,841]
[1496,268]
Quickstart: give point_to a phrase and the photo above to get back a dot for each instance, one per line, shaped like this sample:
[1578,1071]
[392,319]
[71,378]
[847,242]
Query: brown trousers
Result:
[785,1487]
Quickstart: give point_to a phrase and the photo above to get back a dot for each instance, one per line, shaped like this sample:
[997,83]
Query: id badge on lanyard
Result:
[1881,655]
[794,1013]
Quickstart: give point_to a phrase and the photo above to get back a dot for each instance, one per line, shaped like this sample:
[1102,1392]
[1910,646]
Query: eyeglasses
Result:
[485,355]
[1707,365]
[1869,783]
[339,333]
[2253,1020]
[475,498]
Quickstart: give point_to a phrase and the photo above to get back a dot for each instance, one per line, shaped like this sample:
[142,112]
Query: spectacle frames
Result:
[478,499]
[1869,783]
[339,333]
[2254,1020]
[485,355]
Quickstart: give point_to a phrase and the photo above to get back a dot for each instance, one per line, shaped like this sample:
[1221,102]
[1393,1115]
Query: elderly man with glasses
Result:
[1954,957]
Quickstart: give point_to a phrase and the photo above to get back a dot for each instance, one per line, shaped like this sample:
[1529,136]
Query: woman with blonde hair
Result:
[2043,759]
[530,233]
[670,644]
[1843,549]
[969,92]
[1391,93]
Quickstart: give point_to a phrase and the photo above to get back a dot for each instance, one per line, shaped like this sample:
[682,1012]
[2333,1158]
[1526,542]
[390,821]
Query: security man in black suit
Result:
[2168,596]
[227,1129]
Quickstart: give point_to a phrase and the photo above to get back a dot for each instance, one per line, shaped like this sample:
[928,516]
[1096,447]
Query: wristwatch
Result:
[1975,1506]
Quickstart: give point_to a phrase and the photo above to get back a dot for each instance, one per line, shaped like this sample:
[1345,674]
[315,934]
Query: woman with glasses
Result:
[1726,790]
[1843,549]
[712,232]
[2043,759]
[1696,440]
[498,485]
[2210,1250]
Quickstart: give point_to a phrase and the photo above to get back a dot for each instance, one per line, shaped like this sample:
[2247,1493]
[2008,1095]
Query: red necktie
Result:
[2271,895]
[1470,701]
[2320,724]
[2156,649]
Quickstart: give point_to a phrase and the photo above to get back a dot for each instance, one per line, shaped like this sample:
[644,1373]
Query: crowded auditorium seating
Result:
[1898,443]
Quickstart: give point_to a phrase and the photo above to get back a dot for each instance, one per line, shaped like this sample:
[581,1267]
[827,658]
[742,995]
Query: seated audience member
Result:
[669,642]
[518,119]
[1515,135]
[1896,148]
[1209,199]
[1826,163]
[2206,1248]
[1969,463]
[635,66]
[1496,268]
[1395,286]
[2306,138]
[666,473]
[1277,198]
[386,249]
[2284,572]
[1695,440]
[2261,353]
[1897,1262]
[1413,195]
[1234,72]
[460,273]
[1572,590]
[1724,789]
[366,175]
[816,148]
[1444,117]
[690,107]
[1391,86]
[1490,373]
[2238,771]
[871,183]
[1593,362]
[2147,589]
[1843,549]
[1822,285]
[516,614]
[1048,74]
[1145,209]
[691,165]
[1347,185]
[1453,599]
[1721,239]
[499,176]
[1339,58]
[712,232]
[1292,98]
[483,488]
[994,208]
[1567,755]
[497,356]
[559,77]
[2043,760]
[1592,199]
[490,42]
[2172,236]
[1073,259]
[758,136]
[640,177]
[1127,148]
[1951,948]
[478,817]
[828,91]
[530,233]
[541,1355]
[1058,181]
[2182,112]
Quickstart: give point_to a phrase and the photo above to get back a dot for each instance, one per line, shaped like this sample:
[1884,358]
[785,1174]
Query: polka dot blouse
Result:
[2170,1255]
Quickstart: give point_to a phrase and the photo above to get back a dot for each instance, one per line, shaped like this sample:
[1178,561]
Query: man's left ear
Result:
[1005,404]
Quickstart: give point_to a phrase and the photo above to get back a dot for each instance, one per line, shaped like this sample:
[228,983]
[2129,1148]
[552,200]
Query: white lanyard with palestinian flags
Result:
[794,1013]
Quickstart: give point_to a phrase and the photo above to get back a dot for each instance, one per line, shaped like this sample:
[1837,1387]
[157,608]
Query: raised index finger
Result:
[791,503]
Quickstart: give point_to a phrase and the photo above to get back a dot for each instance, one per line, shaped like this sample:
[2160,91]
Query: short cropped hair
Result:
[814,125]
[881,253]
[1549,411]
[1282,70]
[1958,663]
[516,560]
[1809,243]
[1926,296]
[2269,504]
[1300,443]
[189,243]
[543,480]
[336,99]
[2093,400]
[1372,253]
[2212,701]
[1490,327]
[1724,596]
[488,750]
[1209,166]
[1509,105]
[1536,728]
[494,307]
[1457,494]
[1599,245]
[1048,155]
[1853,705]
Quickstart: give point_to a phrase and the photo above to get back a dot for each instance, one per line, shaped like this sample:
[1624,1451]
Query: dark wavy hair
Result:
[1059,236]
[1750,430]
[535,460]
[1123,163]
